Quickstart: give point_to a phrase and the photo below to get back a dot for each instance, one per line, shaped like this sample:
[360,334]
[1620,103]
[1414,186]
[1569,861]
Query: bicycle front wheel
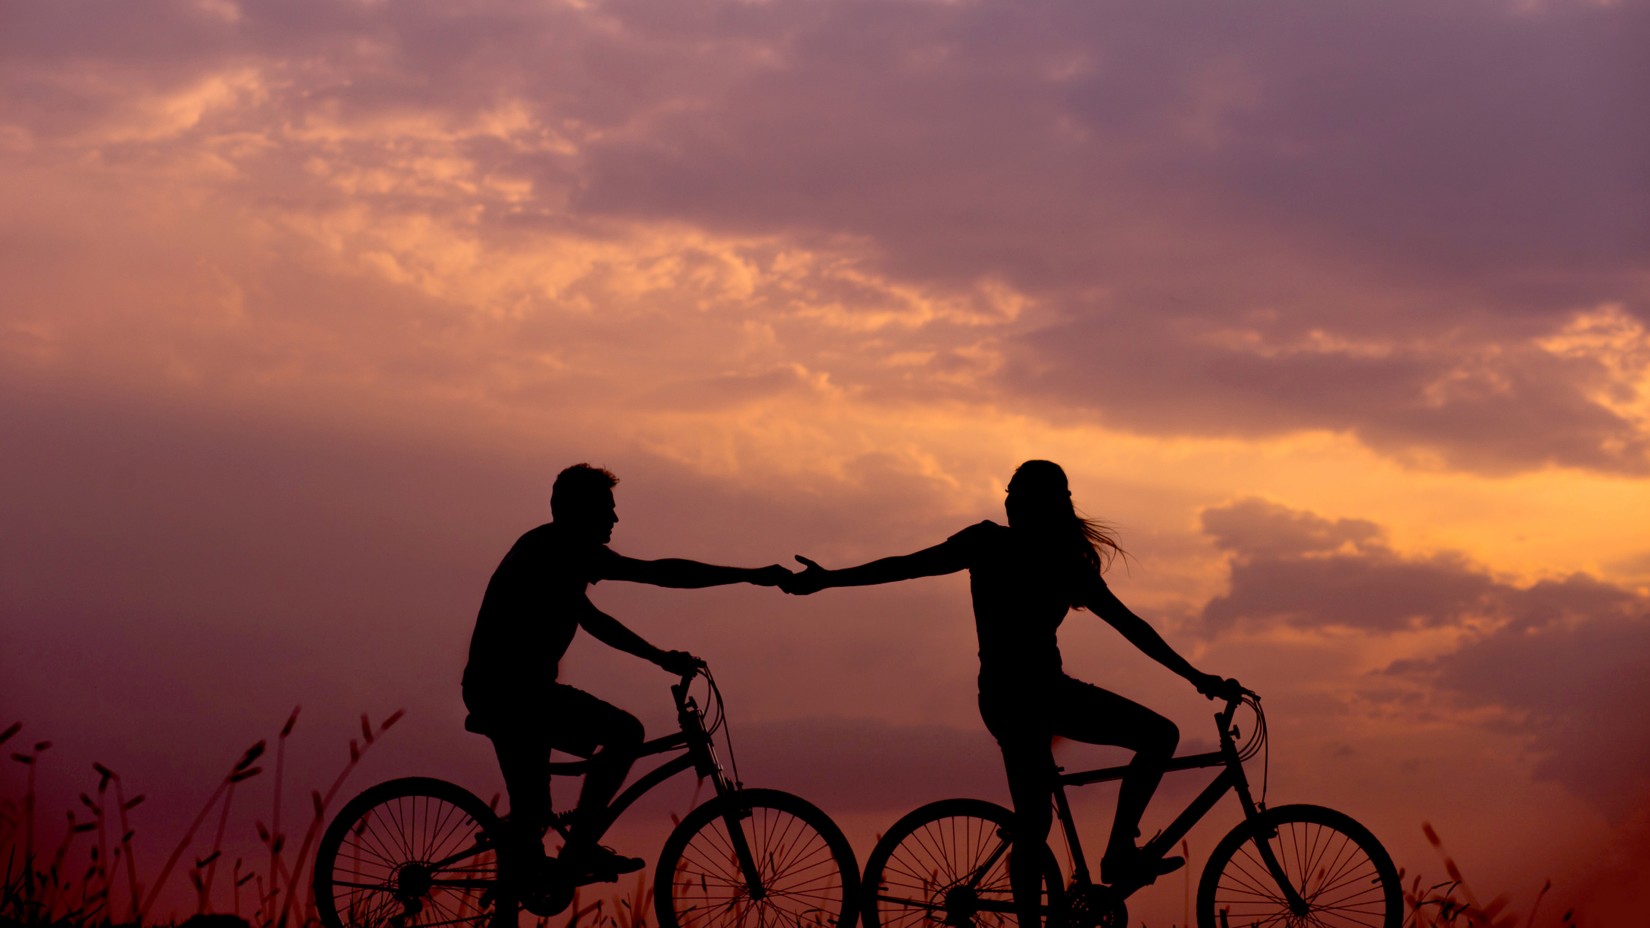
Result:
[756,857]
[411,853]
[1342,875]
[946,864]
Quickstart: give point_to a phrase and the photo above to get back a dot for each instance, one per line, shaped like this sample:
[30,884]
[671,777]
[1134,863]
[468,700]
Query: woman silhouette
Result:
[1024,577]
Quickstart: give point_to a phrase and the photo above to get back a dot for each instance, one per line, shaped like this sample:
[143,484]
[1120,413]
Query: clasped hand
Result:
[811,579]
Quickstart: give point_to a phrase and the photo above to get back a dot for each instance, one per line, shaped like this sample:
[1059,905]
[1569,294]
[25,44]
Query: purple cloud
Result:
[1565,662]
[1225,221]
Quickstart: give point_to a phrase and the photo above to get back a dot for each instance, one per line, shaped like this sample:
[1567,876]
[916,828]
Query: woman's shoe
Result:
[1134,867]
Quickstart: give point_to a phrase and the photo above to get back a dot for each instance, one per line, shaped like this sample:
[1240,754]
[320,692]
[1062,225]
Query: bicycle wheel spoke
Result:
[408,854]
[804,871]
[1338,869]
[945,864]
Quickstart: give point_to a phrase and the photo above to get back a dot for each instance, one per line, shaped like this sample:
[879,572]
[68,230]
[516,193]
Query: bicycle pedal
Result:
[587,877]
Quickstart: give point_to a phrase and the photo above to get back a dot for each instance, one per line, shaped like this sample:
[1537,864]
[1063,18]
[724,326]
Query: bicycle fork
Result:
[1263,838]
[727,790]
[734,820]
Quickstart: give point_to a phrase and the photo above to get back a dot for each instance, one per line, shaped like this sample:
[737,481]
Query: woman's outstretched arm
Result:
[943,558]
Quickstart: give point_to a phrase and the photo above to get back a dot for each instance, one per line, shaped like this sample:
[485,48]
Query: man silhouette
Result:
[535,602]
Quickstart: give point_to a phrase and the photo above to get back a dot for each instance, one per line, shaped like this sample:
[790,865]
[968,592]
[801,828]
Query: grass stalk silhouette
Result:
[42,891]
[319,803]
[1452,903]
[242,770]
[32,895]
[126,834]
[273,837]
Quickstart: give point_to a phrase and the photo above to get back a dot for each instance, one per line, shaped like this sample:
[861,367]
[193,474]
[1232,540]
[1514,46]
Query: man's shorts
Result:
[561,717]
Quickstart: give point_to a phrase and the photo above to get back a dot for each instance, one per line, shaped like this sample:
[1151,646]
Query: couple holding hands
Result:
[1024,577]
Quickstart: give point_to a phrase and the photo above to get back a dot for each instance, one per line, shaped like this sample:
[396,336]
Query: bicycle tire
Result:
[808,873]
[416,852]
[1341,870]
[918,874]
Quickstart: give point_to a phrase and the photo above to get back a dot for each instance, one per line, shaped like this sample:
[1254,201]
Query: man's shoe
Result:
[1134,867]
[599,861]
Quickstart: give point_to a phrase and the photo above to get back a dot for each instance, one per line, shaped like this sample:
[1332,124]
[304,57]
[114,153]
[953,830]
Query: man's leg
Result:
[611,739]
[523,758]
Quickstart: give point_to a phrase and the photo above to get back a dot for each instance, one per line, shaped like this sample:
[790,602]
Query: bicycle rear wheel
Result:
[1343,875]
[411,853]
[946,864]
[806,869]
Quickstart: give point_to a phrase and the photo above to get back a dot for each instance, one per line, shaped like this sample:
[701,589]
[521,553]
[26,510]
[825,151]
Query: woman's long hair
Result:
[1043,498]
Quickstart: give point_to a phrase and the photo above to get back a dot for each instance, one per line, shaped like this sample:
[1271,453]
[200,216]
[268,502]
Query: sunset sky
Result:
[1338,311]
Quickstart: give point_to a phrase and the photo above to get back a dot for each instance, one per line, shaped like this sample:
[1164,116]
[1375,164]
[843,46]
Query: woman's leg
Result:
[1090,714]
[1013,718]
[1029,763]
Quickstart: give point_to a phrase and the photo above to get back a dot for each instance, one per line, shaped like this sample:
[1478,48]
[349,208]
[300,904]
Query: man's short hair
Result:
[578,486]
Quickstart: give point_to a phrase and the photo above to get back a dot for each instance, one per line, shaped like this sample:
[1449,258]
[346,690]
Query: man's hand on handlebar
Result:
[1215,686]
[680,663]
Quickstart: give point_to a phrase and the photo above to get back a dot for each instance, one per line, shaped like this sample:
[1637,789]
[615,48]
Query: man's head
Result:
[582,501]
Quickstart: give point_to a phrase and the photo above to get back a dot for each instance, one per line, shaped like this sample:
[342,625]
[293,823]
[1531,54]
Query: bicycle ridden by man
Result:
[535,602]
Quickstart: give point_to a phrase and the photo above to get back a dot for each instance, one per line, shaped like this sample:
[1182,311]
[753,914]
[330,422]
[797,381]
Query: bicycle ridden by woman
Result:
[1024,578]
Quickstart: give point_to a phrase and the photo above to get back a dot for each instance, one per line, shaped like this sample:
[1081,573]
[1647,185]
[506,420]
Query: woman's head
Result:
[1039,501]
[1039,496]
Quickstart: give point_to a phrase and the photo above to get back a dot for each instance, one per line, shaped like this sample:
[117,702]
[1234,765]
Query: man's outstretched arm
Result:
[683,574]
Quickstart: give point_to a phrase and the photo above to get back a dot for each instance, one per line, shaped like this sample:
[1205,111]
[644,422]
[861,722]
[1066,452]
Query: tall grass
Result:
[52,889]
[1453,904]
[40,889]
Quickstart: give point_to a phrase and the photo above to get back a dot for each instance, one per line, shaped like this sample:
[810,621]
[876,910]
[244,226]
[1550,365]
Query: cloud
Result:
[1492,406]
[1575,690]
[1563,662]
[1166,222]
[1296,568]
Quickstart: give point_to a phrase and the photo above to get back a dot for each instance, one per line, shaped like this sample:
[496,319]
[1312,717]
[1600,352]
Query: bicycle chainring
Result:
[549,891]
[1092,907]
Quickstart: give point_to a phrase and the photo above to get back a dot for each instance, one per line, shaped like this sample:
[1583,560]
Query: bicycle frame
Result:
[696,752]
[1230,778]
[691,739]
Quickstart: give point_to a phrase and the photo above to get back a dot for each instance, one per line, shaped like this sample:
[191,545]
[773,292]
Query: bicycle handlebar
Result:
[679,689]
